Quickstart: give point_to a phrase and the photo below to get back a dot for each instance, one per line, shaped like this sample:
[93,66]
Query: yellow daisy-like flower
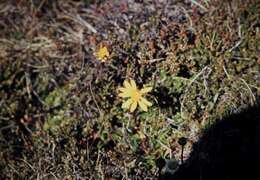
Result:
[135,96]
[102,53]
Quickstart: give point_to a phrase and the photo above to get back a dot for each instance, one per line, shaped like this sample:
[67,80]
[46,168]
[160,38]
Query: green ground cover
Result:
[60,113]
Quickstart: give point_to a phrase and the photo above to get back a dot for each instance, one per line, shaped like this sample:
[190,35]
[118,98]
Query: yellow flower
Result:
[102,54]
[135,96]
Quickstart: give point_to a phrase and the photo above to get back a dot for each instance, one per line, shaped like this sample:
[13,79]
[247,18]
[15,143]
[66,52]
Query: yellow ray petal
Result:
[127,104]
[127,84]
[124,94]
[142,105]
[102,53]
[145,101]
[122,89]
[133,84]
[133,106]
[146,90]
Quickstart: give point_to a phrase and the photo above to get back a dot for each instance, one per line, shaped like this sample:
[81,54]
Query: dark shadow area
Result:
[229,150]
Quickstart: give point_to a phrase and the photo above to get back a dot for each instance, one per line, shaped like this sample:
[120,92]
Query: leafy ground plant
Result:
[63,63]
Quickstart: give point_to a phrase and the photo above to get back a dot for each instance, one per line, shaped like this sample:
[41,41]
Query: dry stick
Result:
[7,127]
[236,45]
[17,172]
[166,147]
[94,99]
[28,85]
[86,24]
[187,15]
[80,21]
[38,98]
[192,81]
[150,61]
[253,97]
[182,149]
[199,5]
[29,165]
[182,141]
[225,71]
[53,175]
[247,85]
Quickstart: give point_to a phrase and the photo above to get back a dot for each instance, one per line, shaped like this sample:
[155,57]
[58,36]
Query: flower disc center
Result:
[135,95]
